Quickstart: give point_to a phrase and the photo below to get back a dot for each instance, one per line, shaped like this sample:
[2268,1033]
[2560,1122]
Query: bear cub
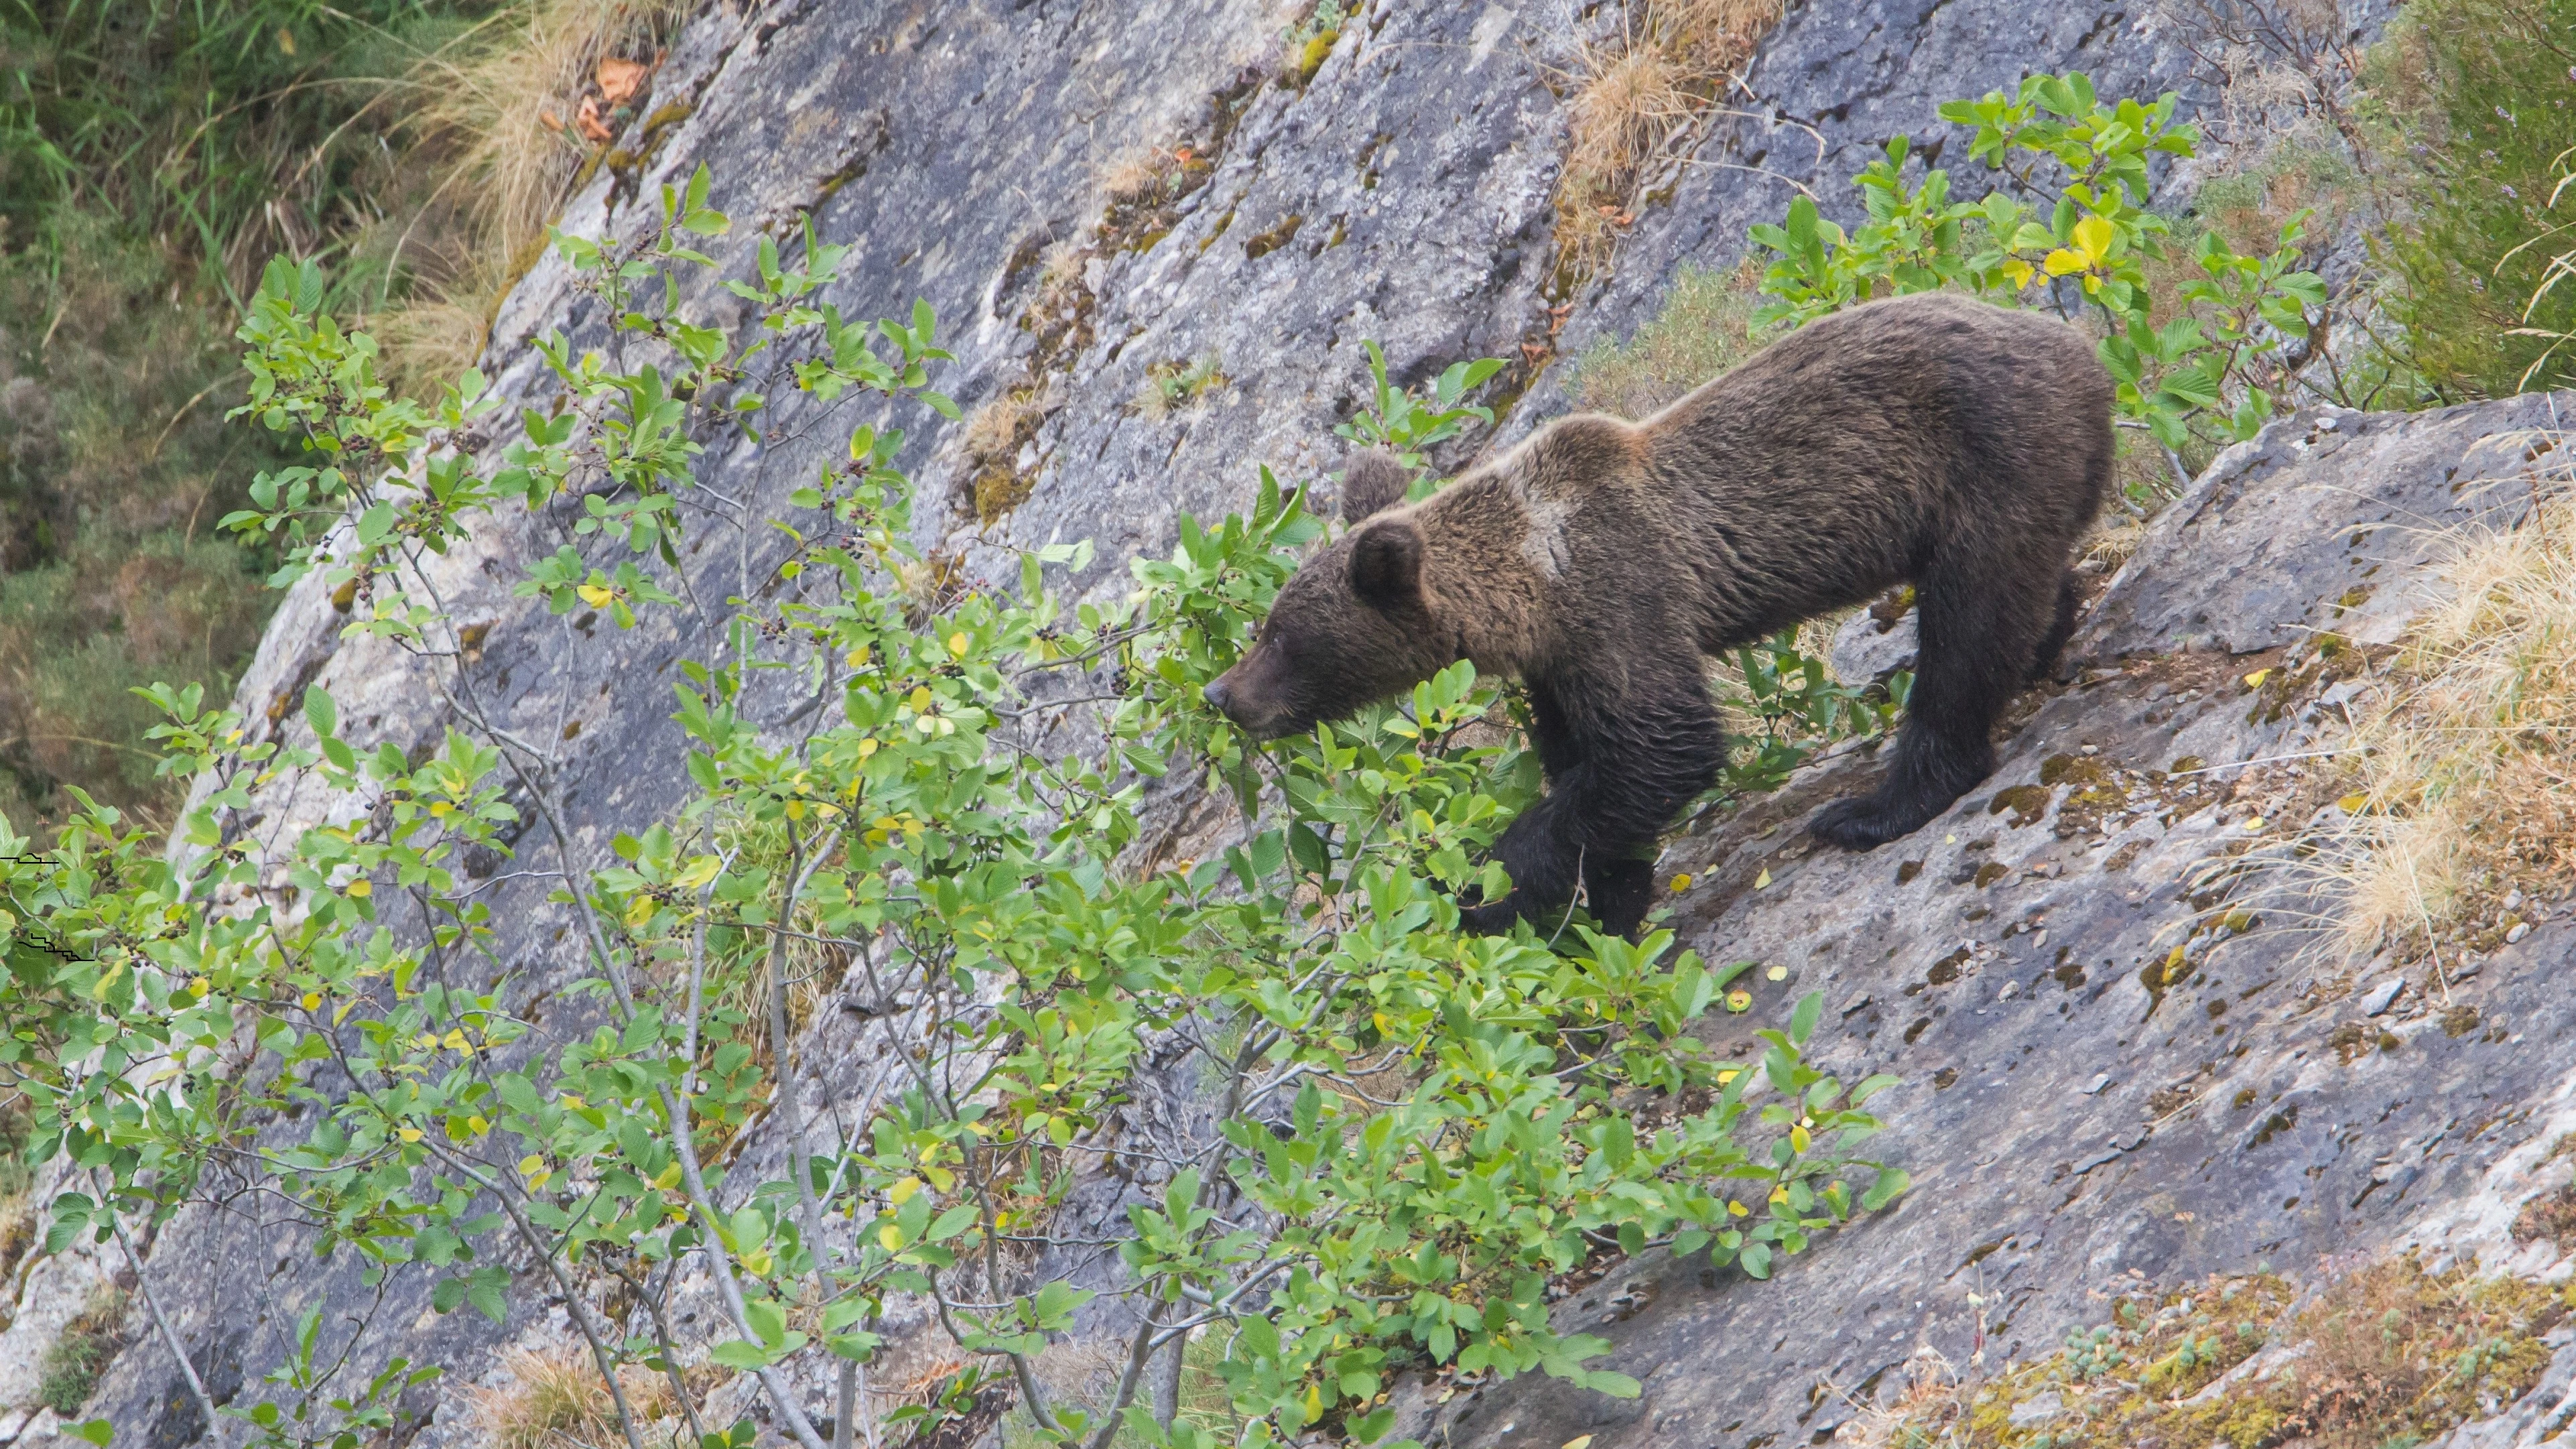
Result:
[1961,447]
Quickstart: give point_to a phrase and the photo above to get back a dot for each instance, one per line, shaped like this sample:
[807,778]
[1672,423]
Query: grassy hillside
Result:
[154,155]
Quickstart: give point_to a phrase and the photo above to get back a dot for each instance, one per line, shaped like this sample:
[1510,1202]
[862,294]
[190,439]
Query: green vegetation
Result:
[71,1367]
[1433,1125]
[1703,327]
[2071,230]
[2473,97]
[152,156]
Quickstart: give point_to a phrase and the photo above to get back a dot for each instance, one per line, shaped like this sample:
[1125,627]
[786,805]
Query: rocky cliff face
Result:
[2075,1115]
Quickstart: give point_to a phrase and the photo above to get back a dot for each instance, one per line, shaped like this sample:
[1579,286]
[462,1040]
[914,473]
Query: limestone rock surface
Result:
[2067,1124]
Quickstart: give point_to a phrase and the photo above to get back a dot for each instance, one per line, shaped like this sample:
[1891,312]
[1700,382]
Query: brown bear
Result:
[1932,439]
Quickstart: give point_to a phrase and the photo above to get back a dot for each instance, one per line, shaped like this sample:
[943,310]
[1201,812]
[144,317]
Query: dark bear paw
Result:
[1618,892]
[1863,824]
[1478,917]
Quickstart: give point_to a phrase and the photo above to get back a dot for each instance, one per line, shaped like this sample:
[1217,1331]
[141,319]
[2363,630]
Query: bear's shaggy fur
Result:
[1931,439]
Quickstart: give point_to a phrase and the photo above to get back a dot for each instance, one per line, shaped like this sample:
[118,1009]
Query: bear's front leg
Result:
[1618,771]
[1543,852]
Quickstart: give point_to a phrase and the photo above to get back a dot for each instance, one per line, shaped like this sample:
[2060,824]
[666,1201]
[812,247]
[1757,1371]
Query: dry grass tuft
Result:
[1635,94]
[1171,387]
[555,1399]
[2466,794]
[2391,1354]
[517,111]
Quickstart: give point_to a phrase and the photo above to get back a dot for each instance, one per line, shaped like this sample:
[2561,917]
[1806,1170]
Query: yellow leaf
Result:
[1778,973]
[669,1178]
[1583,1443]
[2253,822]
[2255,679]
[2351,805]
[198,987]
[1739,1001]
[1681,883]
[594,595]
[1780,1193]
[1314,1402]
[700,871]
[362,887]
[867,748]
[902,1192]
[478,1123]
[2061,263]
[2020,271]
[1762,882]
[312,1000]
[1737,1209]
[1798,1139]
[409,1134]
[857,657]
[455,1041]
[920,696]
[957,645]
[890,1237]
[1729,1075]
[2093,237]
[532,1163]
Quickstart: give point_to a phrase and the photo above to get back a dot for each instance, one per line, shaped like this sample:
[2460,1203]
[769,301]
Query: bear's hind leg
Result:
[2059,631]
[1979,638]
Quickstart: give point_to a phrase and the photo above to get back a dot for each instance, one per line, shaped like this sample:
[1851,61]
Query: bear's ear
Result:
[1386,565]
[1373,483]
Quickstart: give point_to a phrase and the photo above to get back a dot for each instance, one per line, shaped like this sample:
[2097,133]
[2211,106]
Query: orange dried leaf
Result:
[621,81]
[589,124]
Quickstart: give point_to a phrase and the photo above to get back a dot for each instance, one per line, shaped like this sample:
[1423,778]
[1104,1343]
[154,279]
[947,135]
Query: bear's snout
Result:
[1243,695]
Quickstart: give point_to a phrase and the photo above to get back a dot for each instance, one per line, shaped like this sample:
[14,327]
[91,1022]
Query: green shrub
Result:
[1413,1130]
[2070,229]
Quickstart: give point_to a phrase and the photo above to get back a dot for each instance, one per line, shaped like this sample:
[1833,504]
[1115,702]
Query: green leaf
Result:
[1802,1022]
[320,712]
[740,1355]
[483,1290]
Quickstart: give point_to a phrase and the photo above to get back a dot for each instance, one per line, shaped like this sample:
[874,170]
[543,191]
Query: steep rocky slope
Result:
[1402,194]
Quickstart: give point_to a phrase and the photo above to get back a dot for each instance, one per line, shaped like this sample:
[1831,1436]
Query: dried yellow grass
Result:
[1635,93]
[2467,787]
[508,102]
[555,1399]
[506,110]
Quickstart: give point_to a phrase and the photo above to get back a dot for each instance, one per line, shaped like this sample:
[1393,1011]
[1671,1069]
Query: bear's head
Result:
[1353,626]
